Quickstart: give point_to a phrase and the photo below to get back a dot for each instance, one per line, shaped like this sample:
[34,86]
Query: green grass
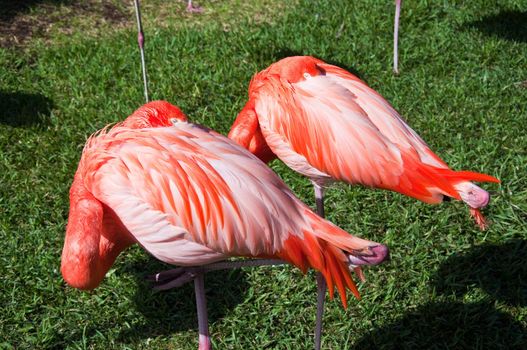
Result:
[462,87]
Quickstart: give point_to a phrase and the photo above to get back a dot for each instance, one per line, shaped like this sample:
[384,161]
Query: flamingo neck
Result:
[94,239]
[246,132]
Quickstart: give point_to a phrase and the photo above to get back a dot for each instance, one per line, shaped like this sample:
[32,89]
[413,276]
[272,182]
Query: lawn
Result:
[67,70]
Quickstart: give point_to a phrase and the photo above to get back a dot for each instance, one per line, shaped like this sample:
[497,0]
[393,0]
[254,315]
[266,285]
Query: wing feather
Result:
[343,142]
[203,197]
[383,115]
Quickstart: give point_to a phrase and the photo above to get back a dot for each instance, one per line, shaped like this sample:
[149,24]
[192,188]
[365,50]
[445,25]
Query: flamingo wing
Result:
[318,127]
[189,195]
[385,118]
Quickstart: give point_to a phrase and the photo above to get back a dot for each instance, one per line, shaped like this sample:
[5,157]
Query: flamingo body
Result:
[327,124]
[190,196]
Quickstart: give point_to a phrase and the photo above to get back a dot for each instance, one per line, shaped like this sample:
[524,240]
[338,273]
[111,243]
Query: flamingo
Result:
[191,197]
[327,124]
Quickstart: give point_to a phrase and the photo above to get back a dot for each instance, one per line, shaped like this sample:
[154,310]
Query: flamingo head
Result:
[296,68]
[93,240]
[476,198]
[154,114]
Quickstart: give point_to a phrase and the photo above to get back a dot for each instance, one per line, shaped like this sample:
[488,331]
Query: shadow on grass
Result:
[174,310]
[449,326]
[499,270]
[21,19]
[509,25]
[24,109]
[12,8]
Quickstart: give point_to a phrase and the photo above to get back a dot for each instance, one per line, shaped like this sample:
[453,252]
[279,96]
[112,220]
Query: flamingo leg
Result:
[181,275]
[398,4]
[173,278]
[321,282]
[191,8]
[201,305]
[141,42]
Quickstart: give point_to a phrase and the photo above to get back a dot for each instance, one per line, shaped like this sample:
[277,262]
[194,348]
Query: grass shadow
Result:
[174,310]
[510,25]
[22,19]
[449,326]
[11,9]
[24,109]
[500,270]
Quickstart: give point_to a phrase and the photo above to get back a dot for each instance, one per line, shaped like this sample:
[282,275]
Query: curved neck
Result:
[94,239]
[246,132]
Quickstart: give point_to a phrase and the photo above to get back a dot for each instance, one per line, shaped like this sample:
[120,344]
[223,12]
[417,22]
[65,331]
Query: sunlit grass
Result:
[461,87]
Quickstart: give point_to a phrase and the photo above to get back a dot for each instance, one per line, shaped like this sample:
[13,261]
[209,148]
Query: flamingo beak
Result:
[374,255]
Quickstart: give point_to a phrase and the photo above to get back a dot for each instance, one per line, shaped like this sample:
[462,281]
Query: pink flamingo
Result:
[328,125]
[192,197]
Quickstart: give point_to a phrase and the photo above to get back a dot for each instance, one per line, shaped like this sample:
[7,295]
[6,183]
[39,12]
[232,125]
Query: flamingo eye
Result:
[174,121]
[307,75]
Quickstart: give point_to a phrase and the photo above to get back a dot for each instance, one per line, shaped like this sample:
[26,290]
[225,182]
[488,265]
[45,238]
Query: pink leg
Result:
[141,42]
[177,277]
[321,297]
[321,282]
[201,305]
[396,36]
[191,8]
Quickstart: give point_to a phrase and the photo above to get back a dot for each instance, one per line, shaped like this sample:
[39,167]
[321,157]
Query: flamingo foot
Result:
[194,9]
[179,276]
[174,278]
[374,256]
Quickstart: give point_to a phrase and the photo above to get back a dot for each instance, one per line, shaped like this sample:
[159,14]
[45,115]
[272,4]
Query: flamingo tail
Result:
[311,251]
[333,252]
